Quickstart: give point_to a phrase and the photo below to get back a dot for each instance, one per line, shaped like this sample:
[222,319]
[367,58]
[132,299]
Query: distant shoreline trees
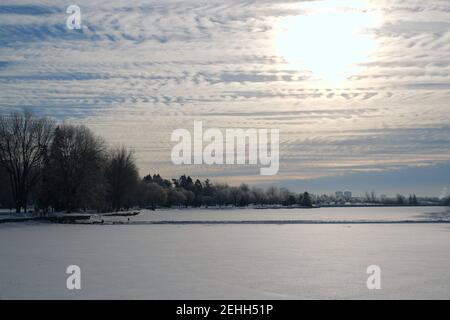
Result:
[447,201]
[68,168]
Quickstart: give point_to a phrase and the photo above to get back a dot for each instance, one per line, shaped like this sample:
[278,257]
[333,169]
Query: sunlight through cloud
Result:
[329,40]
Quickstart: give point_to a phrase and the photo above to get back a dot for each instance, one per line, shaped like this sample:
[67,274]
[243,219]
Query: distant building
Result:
[347,194]
[339,194]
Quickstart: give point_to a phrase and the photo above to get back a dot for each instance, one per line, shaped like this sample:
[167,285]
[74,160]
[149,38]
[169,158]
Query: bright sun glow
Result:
[329,39]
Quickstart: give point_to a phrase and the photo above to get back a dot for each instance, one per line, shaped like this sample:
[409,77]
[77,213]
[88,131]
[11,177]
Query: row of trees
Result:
[187,192]
[67,168]
[62,167]
[397,200]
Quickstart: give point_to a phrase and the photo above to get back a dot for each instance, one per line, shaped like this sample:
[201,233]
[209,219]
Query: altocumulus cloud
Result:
[139,69]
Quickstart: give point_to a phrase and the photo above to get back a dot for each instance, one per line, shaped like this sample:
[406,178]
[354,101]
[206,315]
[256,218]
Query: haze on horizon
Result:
[359,89]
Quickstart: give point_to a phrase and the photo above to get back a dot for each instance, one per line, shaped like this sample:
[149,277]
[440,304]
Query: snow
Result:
[361,214]
[231,261]
[8,214]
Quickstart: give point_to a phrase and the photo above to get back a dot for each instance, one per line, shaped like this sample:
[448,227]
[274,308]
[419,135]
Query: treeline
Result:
[61,167]
[67,168]
[186,192]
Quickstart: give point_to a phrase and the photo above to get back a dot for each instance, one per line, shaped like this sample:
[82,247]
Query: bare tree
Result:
[77,160]
[24,143]
[6,200]
[121,176]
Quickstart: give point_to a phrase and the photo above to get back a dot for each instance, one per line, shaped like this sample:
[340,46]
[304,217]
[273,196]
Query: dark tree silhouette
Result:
[176,198]
[121,177]
[24,141]
[447,201]
[306,200]
[153,195]
[6,199]
[76,163]
[412,200]
[400,199]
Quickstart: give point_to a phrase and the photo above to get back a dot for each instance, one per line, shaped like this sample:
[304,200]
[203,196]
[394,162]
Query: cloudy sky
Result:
[360,90]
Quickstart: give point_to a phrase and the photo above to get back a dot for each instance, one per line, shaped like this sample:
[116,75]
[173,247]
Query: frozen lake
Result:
[233,261]
[320,215]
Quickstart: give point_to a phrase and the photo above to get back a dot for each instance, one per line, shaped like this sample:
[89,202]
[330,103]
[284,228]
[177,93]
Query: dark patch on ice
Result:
[438,215]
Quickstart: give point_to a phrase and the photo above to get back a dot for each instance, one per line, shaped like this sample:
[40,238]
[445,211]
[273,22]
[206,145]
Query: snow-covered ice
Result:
[319,215]
[258,261]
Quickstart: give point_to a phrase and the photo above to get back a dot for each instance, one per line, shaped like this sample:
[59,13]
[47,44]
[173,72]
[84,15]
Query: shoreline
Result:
[110,218]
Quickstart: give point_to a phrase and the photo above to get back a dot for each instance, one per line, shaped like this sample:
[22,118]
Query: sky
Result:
[359,90]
